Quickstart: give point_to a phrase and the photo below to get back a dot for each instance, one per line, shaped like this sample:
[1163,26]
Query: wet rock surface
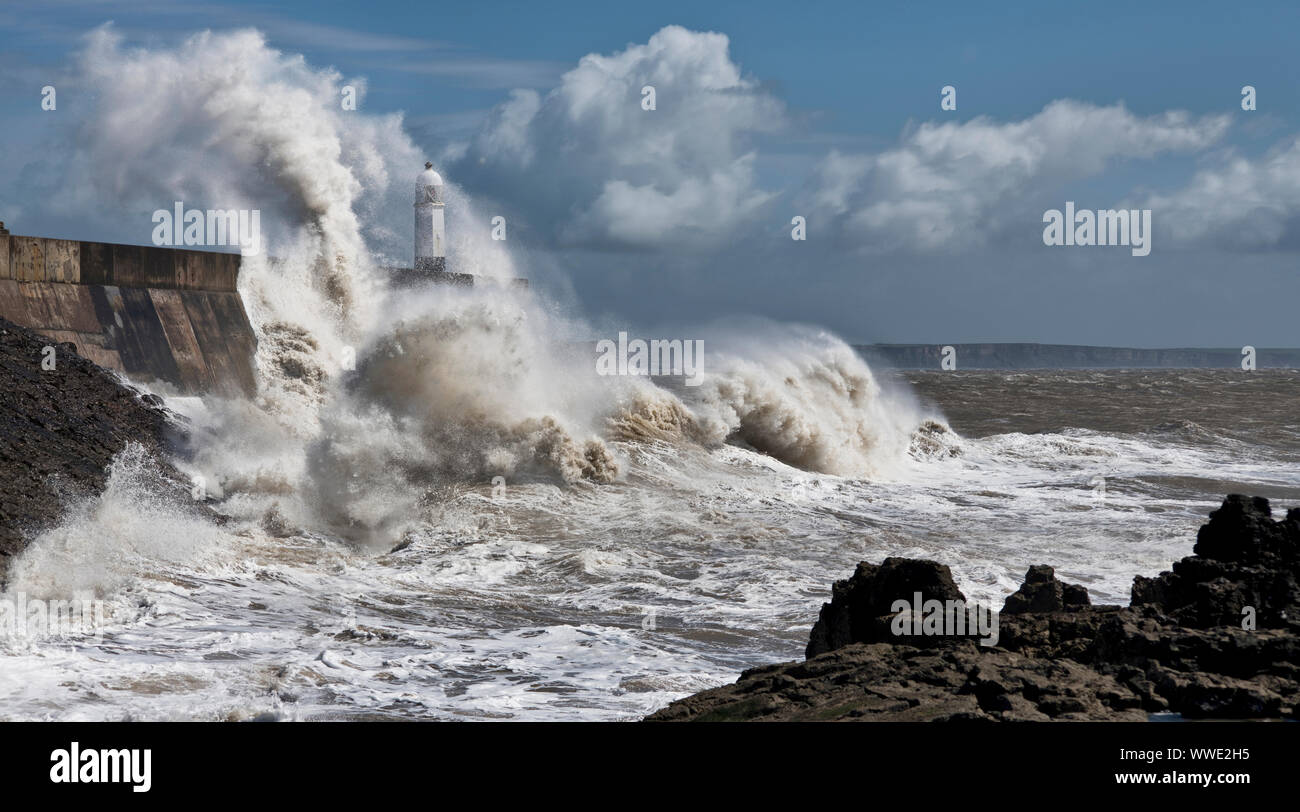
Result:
[861,611]
[1215,637]
[1042,592]
[60,427]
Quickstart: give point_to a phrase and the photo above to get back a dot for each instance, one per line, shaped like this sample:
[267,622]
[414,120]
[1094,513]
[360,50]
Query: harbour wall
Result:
[152,313]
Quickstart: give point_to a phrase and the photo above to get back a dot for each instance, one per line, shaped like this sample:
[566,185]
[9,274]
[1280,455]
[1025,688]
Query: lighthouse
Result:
[430,233]
[431,242]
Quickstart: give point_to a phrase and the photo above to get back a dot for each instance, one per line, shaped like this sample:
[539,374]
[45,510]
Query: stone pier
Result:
[165,314]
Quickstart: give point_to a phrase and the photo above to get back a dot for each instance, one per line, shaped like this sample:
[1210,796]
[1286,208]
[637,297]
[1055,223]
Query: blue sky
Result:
[830,111]
[862,67]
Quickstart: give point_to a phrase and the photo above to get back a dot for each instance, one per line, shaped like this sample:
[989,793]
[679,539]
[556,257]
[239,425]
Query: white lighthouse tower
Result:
[430,234]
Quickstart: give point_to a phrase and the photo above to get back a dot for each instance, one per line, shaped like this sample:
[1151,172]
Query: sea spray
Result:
[805,397]
[371,401]
[142,521]
[467,385]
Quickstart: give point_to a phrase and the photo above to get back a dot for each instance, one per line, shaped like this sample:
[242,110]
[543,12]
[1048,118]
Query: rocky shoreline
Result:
[1214,637]
[62,420]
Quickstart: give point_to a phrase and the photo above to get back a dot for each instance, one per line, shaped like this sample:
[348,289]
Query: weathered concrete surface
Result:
[26,258]
[155,314]
[62,261]
[179,332]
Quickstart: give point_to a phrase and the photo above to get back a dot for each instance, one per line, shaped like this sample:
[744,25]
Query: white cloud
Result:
[601,170]
[947,186]
[1238,203]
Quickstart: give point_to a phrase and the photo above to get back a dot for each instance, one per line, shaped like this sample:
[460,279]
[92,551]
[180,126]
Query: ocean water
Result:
[435,508]
[607,574]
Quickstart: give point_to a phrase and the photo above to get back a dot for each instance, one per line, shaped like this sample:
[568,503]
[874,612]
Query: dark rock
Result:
[894,683]
[1245,564]
[1181,646]
[1042,592]
[59,429]
[861,606]
[1075,596]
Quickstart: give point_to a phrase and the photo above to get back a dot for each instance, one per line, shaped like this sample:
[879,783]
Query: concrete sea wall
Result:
[166,314]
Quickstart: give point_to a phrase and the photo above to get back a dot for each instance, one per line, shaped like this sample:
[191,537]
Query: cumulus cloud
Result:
[1238,203]
[593,167]
[948,185]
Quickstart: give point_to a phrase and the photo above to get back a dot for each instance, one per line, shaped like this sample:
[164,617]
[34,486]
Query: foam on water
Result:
[536,604]
[640,543]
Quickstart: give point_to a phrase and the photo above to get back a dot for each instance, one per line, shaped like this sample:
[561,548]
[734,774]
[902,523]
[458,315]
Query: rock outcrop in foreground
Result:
[62,420]
[1216,637]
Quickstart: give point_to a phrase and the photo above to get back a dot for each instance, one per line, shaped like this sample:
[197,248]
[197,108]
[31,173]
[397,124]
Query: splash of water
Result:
[807,398]
[138,523]
[449,386]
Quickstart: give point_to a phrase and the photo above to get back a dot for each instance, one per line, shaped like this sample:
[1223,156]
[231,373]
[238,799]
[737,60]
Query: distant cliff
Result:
[1069,356]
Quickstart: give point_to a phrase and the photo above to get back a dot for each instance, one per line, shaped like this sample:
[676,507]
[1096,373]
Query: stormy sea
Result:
[435,507]
[471,524]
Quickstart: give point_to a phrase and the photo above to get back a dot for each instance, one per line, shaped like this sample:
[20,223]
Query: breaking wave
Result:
[141,521]
[808,399]
[372,400]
